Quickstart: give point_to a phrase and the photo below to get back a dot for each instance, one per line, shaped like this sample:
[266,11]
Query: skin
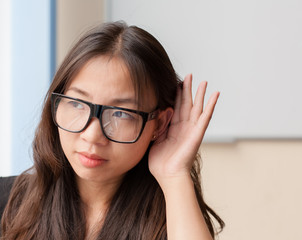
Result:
[107,81]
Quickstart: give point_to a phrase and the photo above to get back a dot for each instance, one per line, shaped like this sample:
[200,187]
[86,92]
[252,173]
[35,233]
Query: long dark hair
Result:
[45,202]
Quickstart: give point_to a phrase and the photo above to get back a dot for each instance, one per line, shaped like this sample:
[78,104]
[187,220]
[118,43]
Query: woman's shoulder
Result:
[6,184]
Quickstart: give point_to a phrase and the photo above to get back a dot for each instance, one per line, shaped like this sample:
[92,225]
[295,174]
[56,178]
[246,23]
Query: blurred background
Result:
[251,51]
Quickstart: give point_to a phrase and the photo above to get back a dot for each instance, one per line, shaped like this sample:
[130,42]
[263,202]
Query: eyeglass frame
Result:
[96,110]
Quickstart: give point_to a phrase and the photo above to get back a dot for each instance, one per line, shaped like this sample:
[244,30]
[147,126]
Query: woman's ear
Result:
[163,121]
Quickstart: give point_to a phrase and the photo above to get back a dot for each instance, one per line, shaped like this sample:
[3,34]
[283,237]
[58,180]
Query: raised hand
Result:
[173,153]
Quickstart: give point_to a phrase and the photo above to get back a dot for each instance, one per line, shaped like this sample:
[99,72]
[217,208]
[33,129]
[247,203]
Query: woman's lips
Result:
[91,160]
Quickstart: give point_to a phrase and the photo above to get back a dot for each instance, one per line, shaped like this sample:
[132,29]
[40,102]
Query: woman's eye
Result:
[75,104]
[121,114]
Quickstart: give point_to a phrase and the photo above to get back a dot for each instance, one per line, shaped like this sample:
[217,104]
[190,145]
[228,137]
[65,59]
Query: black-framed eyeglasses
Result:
[118,124]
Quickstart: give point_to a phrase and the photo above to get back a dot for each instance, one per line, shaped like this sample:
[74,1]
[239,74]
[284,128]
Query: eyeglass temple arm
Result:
[153,115]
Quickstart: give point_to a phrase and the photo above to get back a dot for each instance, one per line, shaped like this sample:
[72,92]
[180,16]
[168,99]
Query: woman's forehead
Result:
[108,78]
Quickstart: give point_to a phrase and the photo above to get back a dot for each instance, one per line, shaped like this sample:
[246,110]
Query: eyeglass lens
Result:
[118,125]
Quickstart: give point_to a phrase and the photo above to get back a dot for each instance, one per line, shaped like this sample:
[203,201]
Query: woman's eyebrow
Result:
[114,101]
[117,101]
[79,91]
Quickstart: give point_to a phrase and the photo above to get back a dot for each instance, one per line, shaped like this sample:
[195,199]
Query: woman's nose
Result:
[93,133]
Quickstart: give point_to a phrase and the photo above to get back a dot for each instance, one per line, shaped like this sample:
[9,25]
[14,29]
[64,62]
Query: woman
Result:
[115,150]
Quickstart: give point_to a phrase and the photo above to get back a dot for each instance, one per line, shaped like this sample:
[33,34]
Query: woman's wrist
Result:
[184,216]
[175,183]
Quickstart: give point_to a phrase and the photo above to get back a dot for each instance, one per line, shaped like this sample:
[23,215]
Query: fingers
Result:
[206,116]
[186,99]
[185,109]
[198,101]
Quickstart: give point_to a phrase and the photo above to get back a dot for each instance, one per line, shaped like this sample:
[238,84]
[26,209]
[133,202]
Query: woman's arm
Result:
[171,159]
[184,217]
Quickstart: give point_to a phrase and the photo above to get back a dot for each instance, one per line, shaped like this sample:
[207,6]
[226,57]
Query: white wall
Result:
[31,74]
[5,86]
[251,51]
[25,77]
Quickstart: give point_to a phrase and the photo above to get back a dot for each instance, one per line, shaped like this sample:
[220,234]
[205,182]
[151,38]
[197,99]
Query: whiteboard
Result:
[251,51]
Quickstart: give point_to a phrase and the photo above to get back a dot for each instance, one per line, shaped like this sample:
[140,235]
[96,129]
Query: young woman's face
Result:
[105,81]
